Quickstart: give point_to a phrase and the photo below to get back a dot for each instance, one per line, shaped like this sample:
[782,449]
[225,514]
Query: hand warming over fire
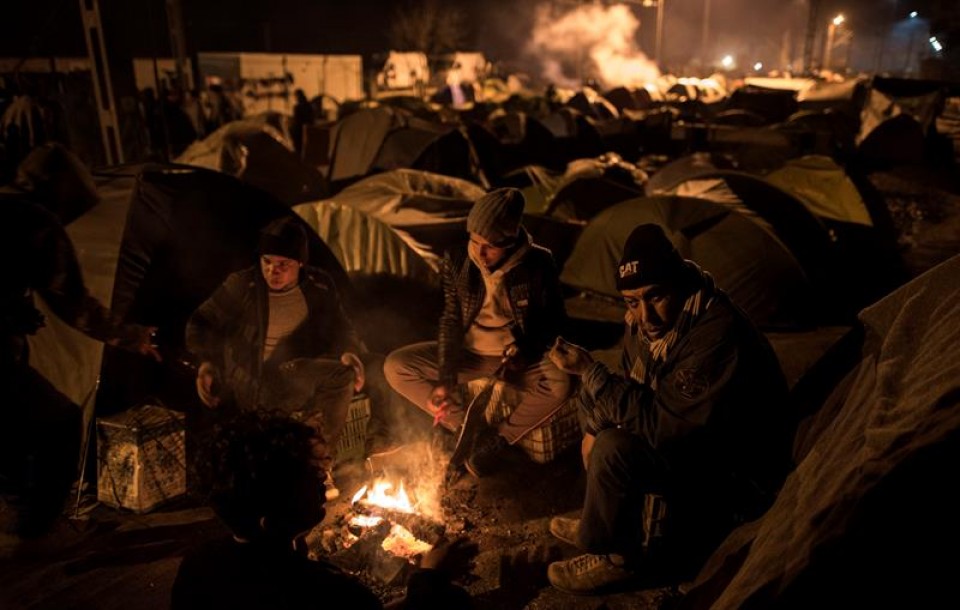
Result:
[452,557]
[442,403]
[570,358]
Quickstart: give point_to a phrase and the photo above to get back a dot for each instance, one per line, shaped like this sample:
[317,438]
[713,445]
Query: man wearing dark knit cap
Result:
[689,440]
[501,298]
[275,336]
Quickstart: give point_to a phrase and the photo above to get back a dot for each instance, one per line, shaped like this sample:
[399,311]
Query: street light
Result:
[913,14]
[727,61]
[835,23]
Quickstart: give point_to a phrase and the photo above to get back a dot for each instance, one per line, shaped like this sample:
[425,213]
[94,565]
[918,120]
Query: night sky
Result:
[496,27]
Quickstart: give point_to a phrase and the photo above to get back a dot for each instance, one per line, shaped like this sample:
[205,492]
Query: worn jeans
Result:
[412,371]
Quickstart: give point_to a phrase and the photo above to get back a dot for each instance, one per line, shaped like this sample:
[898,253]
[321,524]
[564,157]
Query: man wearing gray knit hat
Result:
[502,303]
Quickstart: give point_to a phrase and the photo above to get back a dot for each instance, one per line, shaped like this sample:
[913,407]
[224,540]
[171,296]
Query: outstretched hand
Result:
[570,358]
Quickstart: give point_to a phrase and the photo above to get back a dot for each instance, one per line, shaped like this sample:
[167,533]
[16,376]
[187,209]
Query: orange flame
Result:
[381,495]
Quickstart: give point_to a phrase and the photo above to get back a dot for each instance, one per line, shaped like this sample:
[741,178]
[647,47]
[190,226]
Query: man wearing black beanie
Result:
[688,440]
[275,336]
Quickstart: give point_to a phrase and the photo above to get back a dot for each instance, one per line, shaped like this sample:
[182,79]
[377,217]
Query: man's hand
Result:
[453,557]
[570,358]
[147,345]
[208,380]
[440,404]
[352,360]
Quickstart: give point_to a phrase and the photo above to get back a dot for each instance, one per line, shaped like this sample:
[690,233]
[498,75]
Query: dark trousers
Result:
[39,449]
[622,470]
[640,506]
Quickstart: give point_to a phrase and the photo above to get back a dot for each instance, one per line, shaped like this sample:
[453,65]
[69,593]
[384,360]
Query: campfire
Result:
[391,520]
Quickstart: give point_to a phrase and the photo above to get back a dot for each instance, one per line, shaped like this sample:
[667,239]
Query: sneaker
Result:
[589,574]
[330,492]
[565,529]
[487,455]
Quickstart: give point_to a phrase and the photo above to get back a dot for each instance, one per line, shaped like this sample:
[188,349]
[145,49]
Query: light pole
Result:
[835,23]
[659,44]
[705,32]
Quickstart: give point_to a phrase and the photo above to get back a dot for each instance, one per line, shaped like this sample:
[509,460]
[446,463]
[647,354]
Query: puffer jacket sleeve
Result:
[546,315]
[450,339]
[206,331]
[687,393]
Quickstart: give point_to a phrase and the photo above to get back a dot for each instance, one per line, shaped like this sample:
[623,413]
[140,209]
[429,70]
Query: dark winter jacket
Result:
[536,305]
[229,328]
[720,405]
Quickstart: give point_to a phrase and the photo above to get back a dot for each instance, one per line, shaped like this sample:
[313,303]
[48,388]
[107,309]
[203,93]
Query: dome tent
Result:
[749,262]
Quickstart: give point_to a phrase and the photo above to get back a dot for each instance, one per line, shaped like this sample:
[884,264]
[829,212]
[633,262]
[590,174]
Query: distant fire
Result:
[594,38]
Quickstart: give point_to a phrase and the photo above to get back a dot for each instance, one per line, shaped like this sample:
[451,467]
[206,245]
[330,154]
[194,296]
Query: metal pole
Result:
[102,86]
[828,49]
[659,48]
[812,17]
[705,33]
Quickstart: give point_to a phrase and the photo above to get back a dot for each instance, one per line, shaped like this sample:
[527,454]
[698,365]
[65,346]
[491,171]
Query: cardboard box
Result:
[141,458]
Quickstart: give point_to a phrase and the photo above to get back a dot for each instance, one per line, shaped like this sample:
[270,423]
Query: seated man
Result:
[264,485]
[275,335]
[501,297]
[689,440]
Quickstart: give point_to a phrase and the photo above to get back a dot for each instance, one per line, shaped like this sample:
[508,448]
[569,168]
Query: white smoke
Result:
[602,39]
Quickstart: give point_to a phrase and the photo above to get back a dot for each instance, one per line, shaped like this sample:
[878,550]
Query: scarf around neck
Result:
[693,307]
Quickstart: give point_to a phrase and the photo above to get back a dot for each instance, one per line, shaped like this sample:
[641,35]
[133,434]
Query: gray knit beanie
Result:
[285,236]
[496,216]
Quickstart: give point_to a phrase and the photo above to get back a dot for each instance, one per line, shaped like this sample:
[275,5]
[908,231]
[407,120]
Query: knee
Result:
[609,447]
[394,366]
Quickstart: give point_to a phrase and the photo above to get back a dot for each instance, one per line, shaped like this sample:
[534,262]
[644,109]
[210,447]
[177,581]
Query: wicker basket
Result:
[353,439]
[141,458]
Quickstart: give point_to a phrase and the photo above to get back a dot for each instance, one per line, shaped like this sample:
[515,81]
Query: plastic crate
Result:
[141,458]
[353,439]
[545,442]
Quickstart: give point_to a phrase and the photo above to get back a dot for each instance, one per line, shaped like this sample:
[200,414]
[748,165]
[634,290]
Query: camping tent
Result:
[258,154]
[372,140]
[591,185]
[746,259]
[427,210]
[799,229]
[158,243]
[868,517]
[365,244]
